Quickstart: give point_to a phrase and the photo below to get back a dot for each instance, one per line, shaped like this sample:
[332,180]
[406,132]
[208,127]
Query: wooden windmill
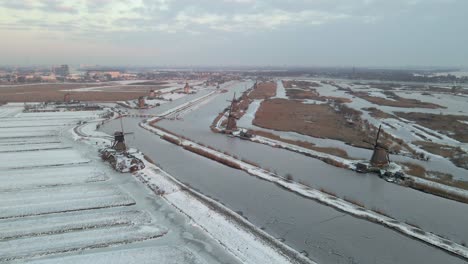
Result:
[119,139]
[231,122]
[380,157]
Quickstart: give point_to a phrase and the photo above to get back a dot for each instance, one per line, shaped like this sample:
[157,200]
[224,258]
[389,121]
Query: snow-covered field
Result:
[57,198]
[33,158]
[54,198]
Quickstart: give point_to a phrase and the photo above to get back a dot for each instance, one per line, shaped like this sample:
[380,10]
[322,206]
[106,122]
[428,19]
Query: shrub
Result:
[171,139]
[213,157]
[327,192]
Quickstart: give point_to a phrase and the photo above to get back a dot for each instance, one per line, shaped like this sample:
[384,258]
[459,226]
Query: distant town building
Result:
[49,78]
[104,75]
[114,74]
[63,70]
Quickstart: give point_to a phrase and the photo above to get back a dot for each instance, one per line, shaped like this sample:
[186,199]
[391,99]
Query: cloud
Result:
[99,5]
[43,5]
[268,20]
[20,4]
[201,16]
[240,1]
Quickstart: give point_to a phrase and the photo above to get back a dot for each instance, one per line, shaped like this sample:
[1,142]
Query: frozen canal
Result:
[327,235]
[60,204]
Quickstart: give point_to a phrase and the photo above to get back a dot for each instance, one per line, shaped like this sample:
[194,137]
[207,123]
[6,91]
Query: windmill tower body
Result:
[234,104]
[187,88]
[380,157]
[231,123]
[119,141]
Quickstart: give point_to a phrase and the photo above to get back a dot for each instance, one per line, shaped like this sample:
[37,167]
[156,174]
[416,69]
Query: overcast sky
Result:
[392,33]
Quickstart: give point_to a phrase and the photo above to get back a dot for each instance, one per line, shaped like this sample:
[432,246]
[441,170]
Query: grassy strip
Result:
[264,90]
[212,156]
[171,139]
[456,154]
[308,145]
[377,113]
[442,178]
[419,171]
[436,191]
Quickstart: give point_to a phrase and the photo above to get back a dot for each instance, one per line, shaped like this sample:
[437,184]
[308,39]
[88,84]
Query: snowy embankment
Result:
[324,198]
[188,106]
[449,189]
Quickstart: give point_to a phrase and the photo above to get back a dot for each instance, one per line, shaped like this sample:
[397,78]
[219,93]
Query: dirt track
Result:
[54,92]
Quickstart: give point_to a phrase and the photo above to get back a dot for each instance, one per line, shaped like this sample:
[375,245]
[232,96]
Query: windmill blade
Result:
[378,135]
[382,146]
[233,98]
